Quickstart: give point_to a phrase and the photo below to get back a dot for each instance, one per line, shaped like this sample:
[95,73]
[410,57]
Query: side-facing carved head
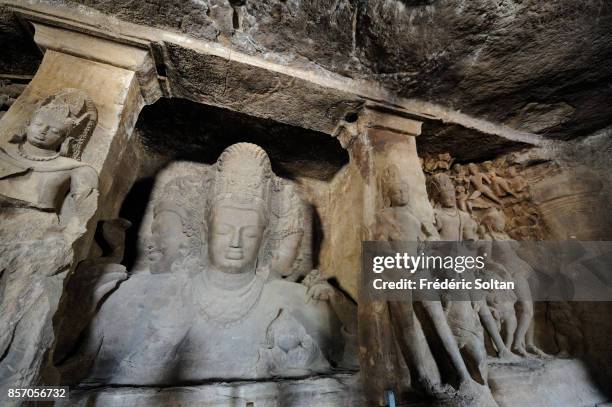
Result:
[62,122]
[238,208]
[167,236]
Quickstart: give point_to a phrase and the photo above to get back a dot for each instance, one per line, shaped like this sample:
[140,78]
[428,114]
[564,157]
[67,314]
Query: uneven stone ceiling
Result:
[538,66]
[187,130]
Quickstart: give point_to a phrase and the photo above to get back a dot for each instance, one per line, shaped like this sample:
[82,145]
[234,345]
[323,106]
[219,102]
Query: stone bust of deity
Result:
[223,317]
[41,169]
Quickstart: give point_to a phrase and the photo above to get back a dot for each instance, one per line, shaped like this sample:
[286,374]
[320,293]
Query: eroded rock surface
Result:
[529,64]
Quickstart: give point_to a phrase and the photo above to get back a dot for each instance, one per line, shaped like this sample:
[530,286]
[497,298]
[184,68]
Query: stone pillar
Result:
[120,78]
[377,140]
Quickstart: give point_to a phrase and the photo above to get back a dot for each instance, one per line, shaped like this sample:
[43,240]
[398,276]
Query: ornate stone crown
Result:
[243,176]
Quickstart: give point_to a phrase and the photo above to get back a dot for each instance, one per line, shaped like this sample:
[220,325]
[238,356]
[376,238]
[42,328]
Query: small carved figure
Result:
[290,350]
[460,176]
[499,184]
[478,180]
[441,162]
[517,182]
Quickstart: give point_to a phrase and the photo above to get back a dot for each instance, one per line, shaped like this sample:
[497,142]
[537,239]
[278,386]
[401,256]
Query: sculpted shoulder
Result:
[86,176]
[150,290]
[292,296]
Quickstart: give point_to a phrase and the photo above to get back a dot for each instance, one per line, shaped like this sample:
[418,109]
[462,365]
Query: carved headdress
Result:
[75,108]
[243,177]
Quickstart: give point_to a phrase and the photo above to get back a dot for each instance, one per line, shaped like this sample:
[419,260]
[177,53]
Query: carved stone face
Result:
[235,237]
[447,192]
[46,131]
[398,193]
[167,238]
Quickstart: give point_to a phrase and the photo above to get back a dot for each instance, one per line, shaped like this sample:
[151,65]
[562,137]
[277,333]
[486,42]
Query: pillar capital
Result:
[129,55]
[374,117]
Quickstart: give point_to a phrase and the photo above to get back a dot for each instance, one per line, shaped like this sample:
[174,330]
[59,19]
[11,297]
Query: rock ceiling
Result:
[536,66]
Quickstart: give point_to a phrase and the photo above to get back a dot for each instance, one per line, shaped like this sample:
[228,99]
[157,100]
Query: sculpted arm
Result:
[81,202]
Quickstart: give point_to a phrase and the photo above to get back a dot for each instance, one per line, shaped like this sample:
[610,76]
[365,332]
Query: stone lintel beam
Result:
[308,97]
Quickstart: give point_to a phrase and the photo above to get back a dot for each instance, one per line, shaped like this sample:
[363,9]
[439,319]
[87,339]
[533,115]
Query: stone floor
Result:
[555,383]
[551,383]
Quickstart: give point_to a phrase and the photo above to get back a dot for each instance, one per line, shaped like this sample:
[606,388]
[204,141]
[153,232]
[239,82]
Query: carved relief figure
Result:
[479,181]
[462,199]
[288,233]
[465,316]
[41,169]
[398,223]
[501,187]
[496,184]
[46,197]
[168,236]
[223,317]
[522,341]
[452,223]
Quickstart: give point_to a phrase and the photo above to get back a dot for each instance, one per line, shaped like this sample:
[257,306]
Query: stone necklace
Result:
[225,307]
[35,158]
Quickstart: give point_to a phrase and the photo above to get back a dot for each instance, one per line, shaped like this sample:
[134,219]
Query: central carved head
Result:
[238,209]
